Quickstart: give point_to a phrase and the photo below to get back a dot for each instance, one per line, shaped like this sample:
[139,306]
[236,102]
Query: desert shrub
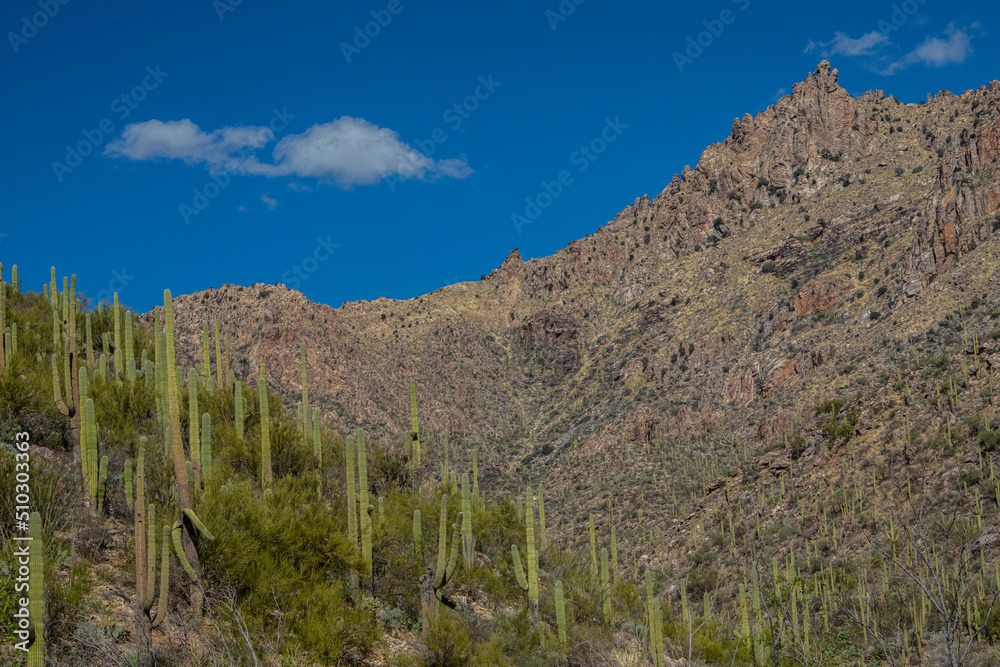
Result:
[701,579]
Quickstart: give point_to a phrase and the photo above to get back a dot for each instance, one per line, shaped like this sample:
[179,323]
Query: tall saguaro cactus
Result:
[92,463]
[206,448]
[141,559]
[418,536]
[532,551]
[434,580]
[593,547]
[366,519]
[119,361]
[129,347]
[56,393]
[3,324]
[194,441]
[528,583]
[72,357]
[241,407]
[560,612]
[352,503]
[266,476]
[605,586]
[90,343]
[184,501]
[468,539]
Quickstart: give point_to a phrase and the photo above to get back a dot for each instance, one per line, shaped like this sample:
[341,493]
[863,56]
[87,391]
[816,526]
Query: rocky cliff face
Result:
[804,241]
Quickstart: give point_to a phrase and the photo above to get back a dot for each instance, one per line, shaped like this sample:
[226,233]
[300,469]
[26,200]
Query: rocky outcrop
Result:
[552,333]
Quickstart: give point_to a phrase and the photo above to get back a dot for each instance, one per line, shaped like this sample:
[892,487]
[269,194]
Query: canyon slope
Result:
[792,265]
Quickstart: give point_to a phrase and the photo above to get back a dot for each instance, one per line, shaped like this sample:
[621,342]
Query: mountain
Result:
[747,282]
[803,286]
[787,355]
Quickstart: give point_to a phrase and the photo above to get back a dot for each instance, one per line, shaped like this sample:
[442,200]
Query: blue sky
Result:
[389,148]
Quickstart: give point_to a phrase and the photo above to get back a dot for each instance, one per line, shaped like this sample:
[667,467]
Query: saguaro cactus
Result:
[102,483]
[141,559]
[317,434]
[194,440]
[541,515]
[129,349]
[3,324]
[206,448]
[119,361]
[240,410]
[352,503]
[614,555]
[92,461]
[36,590]
[184,537]
[56,392]
[418,537]
[560,612]
[433,581]
[128,483]
[605,586]
[265,432]
[161,603]
[366,520]
[593,547]
[89,343]
[532,553]
[651,617]
[528,583]
[150,554]
[468,539]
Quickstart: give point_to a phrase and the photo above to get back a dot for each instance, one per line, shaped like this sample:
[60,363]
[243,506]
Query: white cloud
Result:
[348,151]
[298,187]
[937,51]
[183,140]
[242,209]
[844,45]
[865,45]
[271,202]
